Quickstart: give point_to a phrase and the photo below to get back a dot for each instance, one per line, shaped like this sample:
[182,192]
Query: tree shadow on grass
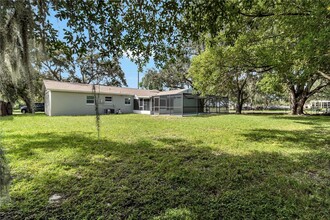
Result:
[208,115]
[15,115]
[144,179]
[6,118]
[315,138]
[265,113]
[309,120]
[309,139]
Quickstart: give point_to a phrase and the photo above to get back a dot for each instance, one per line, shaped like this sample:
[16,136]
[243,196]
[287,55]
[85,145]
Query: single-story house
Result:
[65,98]
[319,106]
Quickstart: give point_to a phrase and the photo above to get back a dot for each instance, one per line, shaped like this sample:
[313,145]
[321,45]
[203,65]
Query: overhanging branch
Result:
[317,89]
[261,14]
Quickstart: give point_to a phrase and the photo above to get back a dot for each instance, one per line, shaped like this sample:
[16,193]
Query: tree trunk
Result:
[294,103]
[294,107]
[239,103]
[239,107]
[23,92]
[299,94]
[301,104]
[28,103]
[297,103]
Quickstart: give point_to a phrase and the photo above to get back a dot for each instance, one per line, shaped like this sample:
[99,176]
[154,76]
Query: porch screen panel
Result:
[156,105]
[163,105]
[190,104]
[177,105]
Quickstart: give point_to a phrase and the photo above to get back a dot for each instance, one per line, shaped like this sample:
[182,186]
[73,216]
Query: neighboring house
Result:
[65,98]
[319,106]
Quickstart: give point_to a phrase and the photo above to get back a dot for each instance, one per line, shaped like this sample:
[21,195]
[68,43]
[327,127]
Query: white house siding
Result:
[47,103]
[69,103]
[143,112]
[118,102]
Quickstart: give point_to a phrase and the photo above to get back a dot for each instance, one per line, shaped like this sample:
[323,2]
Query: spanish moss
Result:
[16,34]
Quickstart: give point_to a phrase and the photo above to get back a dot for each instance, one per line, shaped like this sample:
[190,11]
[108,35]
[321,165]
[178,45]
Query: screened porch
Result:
[188,104]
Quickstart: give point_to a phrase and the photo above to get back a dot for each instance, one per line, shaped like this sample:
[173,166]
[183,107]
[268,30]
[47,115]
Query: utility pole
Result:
[138,79]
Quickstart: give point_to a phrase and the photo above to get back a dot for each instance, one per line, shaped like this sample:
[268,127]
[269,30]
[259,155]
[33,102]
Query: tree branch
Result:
[53,72]
[317,89]
[261,15]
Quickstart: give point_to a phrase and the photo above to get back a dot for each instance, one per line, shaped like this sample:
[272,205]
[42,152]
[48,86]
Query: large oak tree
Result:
[290,37]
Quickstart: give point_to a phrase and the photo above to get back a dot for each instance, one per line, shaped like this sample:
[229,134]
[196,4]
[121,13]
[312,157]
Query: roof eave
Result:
[88,92]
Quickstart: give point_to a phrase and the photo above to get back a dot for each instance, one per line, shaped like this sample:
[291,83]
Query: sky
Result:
[130,69]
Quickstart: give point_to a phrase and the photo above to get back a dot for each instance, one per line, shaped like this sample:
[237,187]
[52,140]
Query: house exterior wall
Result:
[142,112]
[48,103]
[69,103]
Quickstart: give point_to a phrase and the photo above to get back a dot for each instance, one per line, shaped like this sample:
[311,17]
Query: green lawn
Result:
[145,167]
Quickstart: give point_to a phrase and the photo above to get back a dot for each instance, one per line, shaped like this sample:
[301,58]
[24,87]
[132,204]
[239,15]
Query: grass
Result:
[211,167]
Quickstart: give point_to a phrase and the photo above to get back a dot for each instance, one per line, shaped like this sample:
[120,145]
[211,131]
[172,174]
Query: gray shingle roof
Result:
[173,92]
[87,88]
[52,85]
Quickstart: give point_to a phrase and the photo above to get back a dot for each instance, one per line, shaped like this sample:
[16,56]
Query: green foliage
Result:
[323,95]
[173,75]
[56,66]
[105,71]
[271,84]
[225,70]
[204,73]
[142,29]
[226,166]
[162,28]
[287,37]
[152,80]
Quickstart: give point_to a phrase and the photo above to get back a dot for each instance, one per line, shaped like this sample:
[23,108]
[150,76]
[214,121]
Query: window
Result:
[108,99]
[127,101]
[90,100]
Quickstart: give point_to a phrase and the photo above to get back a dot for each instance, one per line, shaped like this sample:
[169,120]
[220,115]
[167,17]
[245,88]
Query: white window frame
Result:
[87,98]
[108,102]
[128,98]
